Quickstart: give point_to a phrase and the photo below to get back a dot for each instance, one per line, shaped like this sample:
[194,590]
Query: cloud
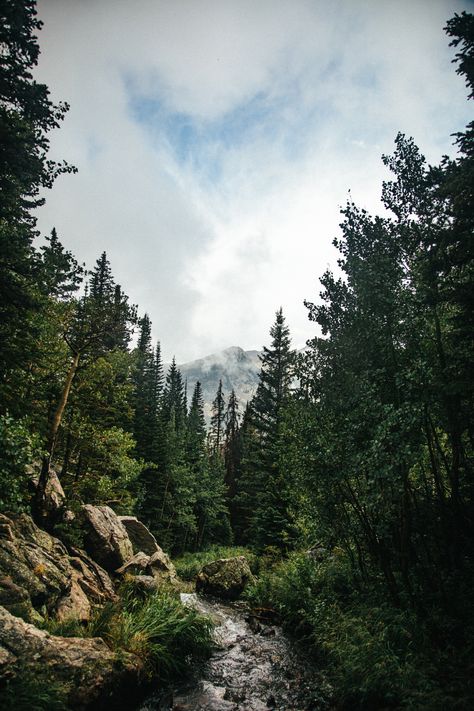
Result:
[216,140]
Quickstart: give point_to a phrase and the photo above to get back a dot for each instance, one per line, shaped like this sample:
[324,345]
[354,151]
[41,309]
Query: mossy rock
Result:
[225,578]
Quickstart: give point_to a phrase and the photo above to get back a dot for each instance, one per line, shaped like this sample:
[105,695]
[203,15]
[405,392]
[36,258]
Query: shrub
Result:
[156,627]
[18,448]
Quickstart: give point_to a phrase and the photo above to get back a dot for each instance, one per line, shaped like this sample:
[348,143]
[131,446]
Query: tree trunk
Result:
[53,433]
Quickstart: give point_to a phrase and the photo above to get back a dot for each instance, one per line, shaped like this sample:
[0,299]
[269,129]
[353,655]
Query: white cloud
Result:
[290,102]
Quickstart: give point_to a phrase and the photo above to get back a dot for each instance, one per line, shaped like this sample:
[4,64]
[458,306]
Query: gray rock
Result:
[34,561]
[54,498]
[158,567]
[161,567]
[137,564]
[38,575]
[106,539]
[226,578]
[142,539]
[87,668]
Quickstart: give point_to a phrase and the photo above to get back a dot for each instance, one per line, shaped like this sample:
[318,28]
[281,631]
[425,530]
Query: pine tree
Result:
[262,485]
[232,454]
[144,395]
[216,433]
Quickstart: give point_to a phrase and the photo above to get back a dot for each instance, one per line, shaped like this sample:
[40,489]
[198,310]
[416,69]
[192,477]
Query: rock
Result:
[137,564]
[161,567]
[75,603]
[37,574]
[94,580]
[54,498]
[88,669]
[140,536]
[225,578]
[106,539]
[16,599]
[158,566]
[146,583]
[34,561]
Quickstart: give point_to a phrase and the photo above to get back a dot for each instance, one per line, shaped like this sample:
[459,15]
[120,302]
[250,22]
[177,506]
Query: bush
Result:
[30,690]
[376,656]
[18,448]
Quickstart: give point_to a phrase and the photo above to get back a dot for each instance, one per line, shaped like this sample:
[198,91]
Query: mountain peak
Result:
[238,369]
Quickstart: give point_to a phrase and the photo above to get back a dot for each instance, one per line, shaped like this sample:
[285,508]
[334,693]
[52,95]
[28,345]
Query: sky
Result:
[217,140]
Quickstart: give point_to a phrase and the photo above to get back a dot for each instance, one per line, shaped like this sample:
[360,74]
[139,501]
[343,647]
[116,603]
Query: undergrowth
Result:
[30,690]
[164,634]
[376,656]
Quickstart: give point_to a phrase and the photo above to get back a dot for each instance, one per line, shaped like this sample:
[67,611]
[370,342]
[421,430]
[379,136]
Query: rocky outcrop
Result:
[38,575]
[106,539]
[141,538]
[89,671]
[224,578]
[33,561]
[54,497]
[157,566]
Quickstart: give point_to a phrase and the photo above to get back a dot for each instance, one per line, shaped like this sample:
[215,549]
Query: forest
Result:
[348,476]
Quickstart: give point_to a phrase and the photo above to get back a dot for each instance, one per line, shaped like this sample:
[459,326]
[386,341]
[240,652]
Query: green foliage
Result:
[377,656]
[163,633]
[188,565]
[32,690]
[111,473]
[18,448]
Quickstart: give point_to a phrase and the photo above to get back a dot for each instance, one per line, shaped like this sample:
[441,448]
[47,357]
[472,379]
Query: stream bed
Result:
[255,667]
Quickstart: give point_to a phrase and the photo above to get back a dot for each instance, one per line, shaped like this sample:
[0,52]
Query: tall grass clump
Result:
[165,635]
[162,632]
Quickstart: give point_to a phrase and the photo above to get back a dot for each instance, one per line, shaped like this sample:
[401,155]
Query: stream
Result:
[255,667]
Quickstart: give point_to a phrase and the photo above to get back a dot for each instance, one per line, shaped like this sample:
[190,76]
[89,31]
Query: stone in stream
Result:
[226,578]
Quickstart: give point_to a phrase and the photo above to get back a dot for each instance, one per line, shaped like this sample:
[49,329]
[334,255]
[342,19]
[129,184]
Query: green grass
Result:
[376,656]
[165,635]
[189,564]
[31,690]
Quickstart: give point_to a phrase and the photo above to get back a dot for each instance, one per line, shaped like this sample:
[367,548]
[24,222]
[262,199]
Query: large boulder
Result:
[88,670]
[142,539]
[38,575]
[224,578]
[33,561]
[54,497]
[106,539]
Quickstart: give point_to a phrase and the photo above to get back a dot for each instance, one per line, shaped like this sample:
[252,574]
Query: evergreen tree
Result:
[262,485]
[232,454]
[145,423]
[26,118]
[216,433]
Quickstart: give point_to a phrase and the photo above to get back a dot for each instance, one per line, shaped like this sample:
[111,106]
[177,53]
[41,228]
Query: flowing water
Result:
[254,668]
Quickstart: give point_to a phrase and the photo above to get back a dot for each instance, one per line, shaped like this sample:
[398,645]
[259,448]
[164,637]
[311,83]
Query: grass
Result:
[30,690]
[165,635]
[189,564]
[376,656]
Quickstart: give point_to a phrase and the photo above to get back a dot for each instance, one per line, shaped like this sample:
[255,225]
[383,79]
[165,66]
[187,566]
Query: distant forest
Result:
[360,448]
